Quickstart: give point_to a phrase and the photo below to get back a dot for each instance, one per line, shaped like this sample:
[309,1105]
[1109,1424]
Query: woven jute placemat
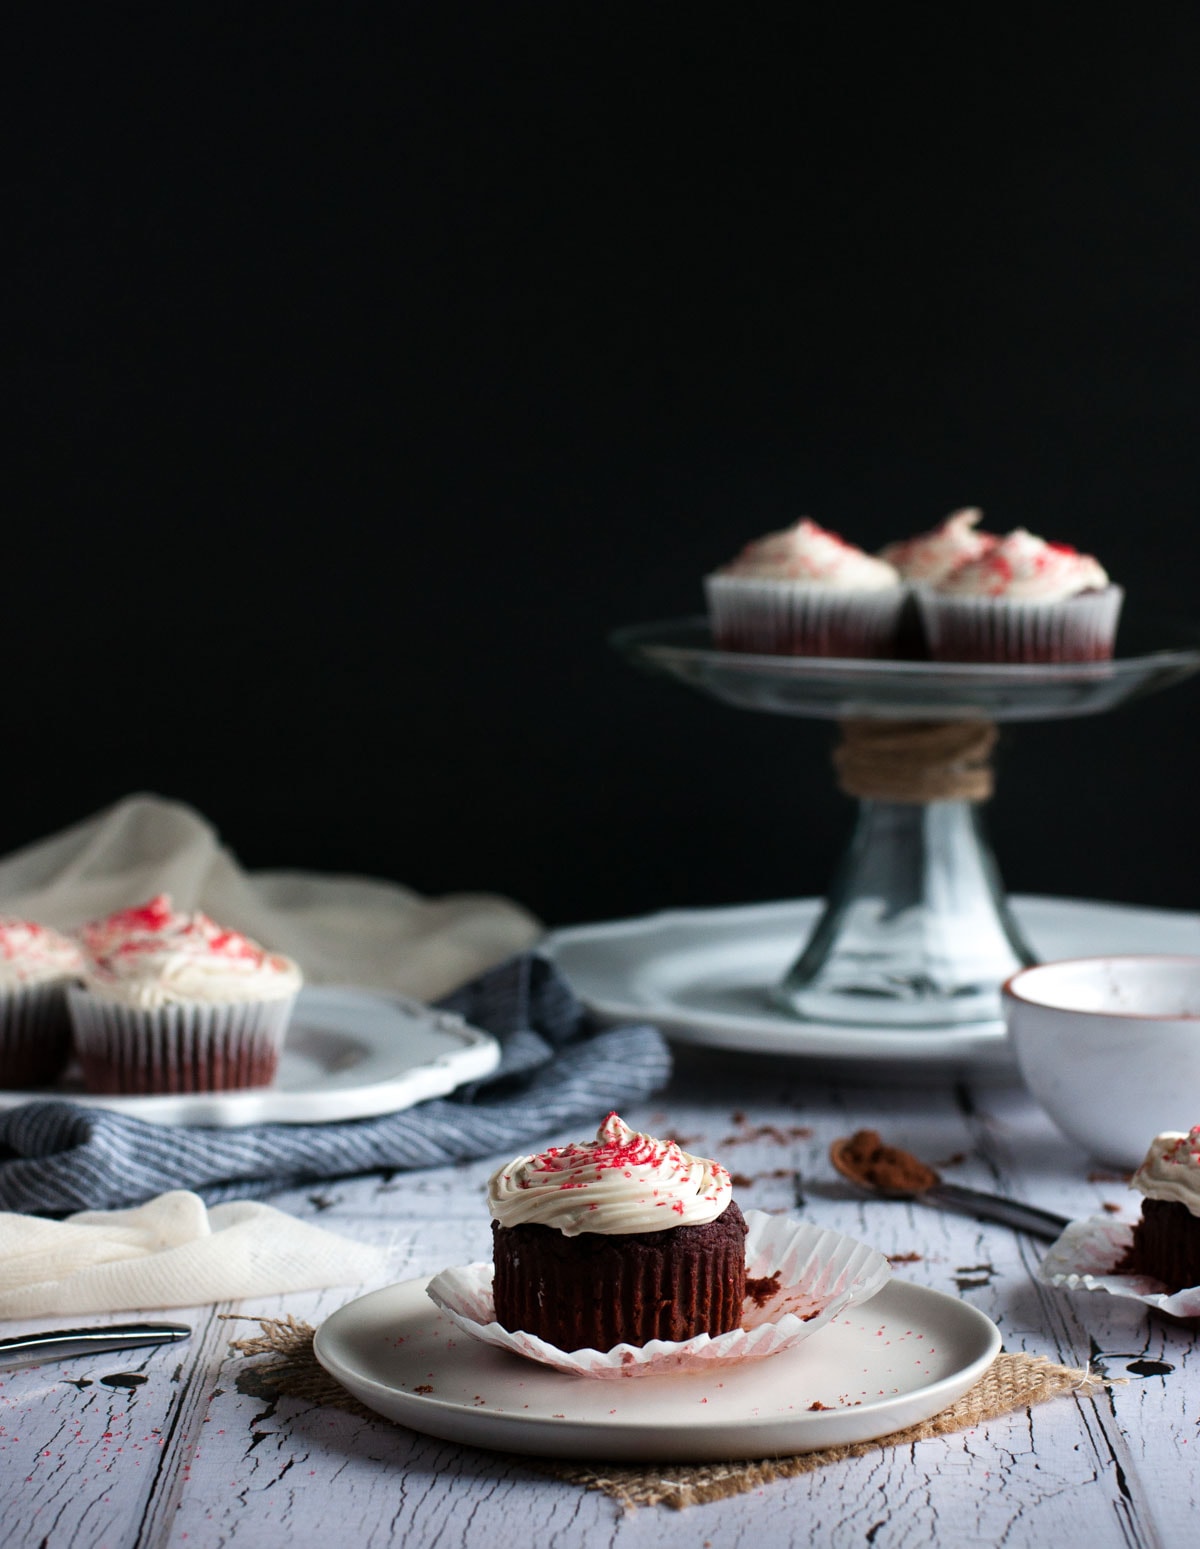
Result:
[1011,1383]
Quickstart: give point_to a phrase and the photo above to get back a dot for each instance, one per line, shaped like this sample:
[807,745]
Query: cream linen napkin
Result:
[169,1252]
[341,930]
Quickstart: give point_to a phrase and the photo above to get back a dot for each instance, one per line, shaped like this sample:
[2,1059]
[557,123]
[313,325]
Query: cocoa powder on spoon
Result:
[867,1161]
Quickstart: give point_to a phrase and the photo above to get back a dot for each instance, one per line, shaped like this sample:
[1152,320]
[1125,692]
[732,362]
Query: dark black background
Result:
[371,363]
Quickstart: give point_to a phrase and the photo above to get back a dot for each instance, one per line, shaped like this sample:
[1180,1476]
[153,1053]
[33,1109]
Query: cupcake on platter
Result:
[36,966]
[931,556]
[173,1002]
[620,1240]
[1022,600]
[1166,1239]
[805,592]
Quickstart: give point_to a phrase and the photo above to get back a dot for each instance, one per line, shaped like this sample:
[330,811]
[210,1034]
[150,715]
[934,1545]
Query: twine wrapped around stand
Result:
[1011,1383]
[915,761]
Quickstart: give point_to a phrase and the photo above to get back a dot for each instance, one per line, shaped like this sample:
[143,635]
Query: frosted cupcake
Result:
[931,556]
[173,1002]
[618,1240]
[1023,600]
[805,592]
[36,966]
[1166,1239]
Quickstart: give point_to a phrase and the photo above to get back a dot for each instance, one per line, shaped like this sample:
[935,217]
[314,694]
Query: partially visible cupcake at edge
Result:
[1166,1239]
[1022,600]
[619,1240]
[36,966]
[931,556]
[805,591]
[174,1002]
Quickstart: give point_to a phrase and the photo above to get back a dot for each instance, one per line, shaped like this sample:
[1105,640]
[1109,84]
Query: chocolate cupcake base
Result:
[177,1049]
[795,618]
[594,1291]
[1004,629]
[1166,1245]
[35,1035]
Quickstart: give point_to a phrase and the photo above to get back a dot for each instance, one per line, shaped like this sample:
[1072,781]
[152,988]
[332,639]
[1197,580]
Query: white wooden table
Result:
[185,1459]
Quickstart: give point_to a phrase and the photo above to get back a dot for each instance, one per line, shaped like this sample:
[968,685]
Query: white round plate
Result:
[348,1054]
[703,976]
[898,1359]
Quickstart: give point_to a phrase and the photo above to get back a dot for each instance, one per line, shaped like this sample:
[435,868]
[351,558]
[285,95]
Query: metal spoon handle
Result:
[64,1343]
[990,1207]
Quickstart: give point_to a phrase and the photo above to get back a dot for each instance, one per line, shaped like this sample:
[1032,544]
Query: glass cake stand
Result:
[916,930]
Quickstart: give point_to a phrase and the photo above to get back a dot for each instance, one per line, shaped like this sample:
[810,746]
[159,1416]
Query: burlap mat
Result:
[1012,1382]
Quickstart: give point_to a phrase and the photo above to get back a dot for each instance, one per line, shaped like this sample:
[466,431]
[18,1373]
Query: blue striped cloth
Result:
[555,1070]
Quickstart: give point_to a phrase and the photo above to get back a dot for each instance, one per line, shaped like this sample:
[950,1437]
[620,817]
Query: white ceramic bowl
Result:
[1110,1047]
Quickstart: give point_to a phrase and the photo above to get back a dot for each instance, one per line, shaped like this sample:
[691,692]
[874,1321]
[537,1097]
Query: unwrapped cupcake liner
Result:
[820,1273]
[1007,629]
[35,1034]
[1085,1257]
[797,618]
[177,1048]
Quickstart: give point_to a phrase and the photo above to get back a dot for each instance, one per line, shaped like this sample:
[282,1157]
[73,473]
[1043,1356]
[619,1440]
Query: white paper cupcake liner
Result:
[820,1274]
[1005,629]
[795,618]
[182,1048]
[35,1033]
[1084,1257]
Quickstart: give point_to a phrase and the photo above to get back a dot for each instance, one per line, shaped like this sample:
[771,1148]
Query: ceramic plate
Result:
[703,976]
[348,1054]
[898,1359]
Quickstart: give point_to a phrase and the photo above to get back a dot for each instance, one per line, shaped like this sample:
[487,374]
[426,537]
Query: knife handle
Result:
[990,1207]
[26,1349]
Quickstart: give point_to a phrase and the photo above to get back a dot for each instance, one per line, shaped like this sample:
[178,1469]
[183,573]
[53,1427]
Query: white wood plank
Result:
[188,1454]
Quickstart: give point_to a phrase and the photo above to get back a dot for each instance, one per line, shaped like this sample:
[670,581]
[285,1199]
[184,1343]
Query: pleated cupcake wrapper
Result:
[35,1033]
[1084,1258]
[192,1048]
[821,1273]
[796,618]
[1004,629]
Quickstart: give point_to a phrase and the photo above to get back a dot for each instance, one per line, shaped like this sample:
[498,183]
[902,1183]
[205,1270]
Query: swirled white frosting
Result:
[1026,568]
[621,1182]
[1171,1170]
[35,954]
[152,956]
[806,552]
[934,554]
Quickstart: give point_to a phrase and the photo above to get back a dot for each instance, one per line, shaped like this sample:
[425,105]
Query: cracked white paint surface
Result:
[184,1459]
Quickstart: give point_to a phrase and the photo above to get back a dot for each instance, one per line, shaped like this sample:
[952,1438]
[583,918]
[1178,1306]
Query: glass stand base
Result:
[916,931]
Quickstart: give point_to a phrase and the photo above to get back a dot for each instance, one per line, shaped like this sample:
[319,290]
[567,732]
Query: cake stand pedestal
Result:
[916,931]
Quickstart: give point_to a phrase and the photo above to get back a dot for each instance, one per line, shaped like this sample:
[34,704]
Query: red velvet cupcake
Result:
[931,556]
[1023,600]
[805,592]
[174,1002]
[1166,1239]
[619,1240]
[36,966]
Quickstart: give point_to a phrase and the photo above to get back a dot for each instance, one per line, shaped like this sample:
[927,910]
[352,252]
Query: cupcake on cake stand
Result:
[916,933]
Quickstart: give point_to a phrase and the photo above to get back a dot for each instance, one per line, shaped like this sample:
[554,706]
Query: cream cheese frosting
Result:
[931,555]
[35,954]
[152,920]
[1171,1170]
[154,956]
[809,553]
[1025,568]
[621,1182]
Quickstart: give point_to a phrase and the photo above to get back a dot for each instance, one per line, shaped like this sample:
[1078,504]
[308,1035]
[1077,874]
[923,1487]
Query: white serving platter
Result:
[899,1358]
[703,976]
[349,1054]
